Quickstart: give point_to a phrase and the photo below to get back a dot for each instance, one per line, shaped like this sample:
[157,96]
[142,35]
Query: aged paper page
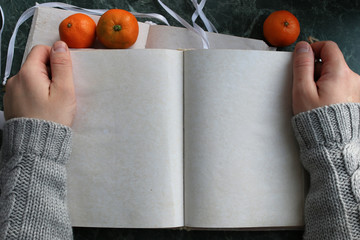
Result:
[241,158]
[175,37]
[126,166]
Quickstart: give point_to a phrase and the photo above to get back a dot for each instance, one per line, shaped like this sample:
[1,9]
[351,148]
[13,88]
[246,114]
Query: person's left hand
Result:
[38,91]
[335,82]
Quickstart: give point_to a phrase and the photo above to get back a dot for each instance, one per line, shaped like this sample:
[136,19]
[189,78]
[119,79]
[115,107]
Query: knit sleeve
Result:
[32,180]
[329,143]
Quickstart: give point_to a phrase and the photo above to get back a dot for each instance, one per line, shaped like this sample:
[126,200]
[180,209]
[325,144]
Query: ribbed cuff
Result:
[33,180]
[338,123]
[39,137]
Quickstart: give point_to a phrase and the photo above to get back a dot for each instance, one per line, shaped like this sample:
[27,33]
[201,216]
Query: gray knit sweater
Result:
[32,180]
[33,176]
[329,140]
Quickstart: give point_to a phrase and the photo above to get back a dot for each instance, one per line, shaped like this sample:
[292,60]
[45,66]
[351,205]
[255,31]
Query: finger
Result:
[330,55]
[8,91]
[39,54]
[61,67]
[304,87]
[317,70]
[35,65]
[303,69]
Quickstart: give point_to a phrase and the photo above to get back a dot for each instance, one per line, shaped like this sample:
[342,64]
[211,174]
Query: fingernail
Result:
[302,47]
[60,47]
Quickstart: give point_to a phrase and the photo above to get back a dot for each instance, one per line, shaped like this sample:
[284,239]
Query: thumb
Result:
[304,86]
[61,66]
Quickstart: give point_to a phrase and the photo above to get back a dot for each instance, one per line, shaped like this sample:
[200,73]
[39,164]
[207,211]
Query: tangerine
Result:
[78,30]
[281,28]
[117,28]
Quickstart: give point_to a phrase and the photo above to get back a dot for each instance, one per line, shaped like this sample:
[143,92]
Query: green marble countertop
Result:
[323,19]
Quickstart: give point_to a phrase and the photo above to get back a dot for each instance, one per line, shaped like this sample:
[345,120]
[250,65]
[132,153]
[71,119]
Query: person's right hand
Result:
[37,92]
[329,82]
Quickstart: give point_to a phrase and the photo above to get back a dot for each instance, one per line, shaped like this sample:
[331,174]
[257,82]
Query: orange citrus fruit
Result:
[117,28]
[281,28]
[78,31]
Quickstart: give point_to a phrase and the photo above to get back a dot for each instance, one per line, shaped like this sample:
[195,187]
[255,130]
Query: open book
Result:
[199,138]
